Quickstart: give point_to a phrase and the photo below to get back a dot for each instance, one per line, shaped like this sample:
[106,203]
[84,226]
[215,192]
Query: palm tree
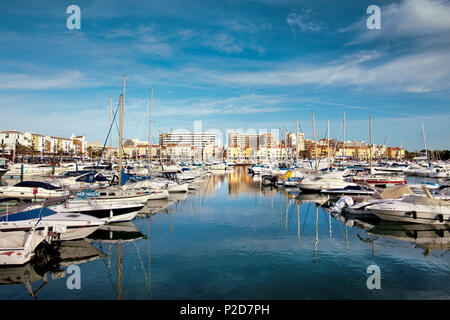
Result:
[32,152]
[20,150]
[89,150]
[3,145]
[60,153]
[71,153]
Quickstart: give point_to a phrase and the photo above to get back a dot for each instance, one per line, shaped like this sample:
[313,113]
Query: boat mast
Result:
[344,135]
[424,141]
[111,123]
[370,151]
[328,142]
[150,135]
[296,143]
[315,141]
[122,98]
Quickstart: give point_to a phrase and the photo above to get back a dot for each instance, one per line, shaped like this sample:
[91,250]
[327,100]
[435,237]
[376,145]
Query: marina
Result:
[234,238]
[223,155]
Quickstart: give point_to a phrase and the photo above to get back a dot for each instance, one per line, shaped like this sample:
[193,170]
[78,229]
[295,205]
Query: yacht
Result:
[351,190]
[382,182]
[106,211]
[413,208]
[62,225]
[325,181]
[17,247]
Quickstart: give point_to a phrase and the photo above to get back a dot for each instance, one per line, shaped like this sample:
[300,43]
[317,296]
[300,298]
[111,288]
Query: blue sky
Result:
[233,64]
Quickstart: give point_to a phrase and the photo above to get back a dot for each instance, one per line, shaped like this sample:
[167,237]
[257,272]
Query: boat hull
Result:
[411,216]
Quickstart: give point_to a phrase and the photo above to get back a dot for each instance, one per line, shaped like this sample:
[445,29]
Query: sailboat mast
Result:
[111,122]
[315,141]
[122,99]
[296,143]
[370,151]
[344,135]
[150,135]
[424,141]
[328,141]
[120,139]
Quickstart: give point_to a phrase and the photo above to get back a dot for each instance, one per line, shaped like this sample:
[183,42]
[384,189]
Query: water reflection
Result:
[49,262]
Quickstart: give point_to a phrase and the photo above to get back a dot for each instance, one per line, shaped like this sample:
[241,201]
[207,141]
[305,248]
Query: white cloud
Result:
[67,79]
[429,71]
[411,19]
[302,22]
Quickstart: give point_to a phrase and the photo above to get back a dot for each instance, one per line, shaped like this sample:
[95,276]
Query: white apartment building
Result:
[296,140]
[195,139]
[9,139]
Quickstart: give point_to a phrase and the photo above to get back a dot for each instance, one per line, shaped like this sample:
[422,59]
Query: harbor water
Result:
[234,238]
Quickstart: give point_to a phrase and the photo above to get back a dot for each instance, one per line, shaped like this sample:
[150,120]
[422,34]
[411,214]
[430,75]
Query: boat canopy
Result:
[92,177]
[396,192]
[28,215]
[36,184]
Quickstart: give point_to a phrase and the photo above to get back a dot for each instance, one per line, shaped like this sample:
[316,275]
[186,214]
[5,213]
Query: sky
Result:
[249,65]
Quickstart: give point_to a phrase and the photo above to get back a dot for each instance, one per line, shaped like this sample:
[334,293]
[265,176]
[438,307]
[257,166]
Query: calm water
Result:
[233,239]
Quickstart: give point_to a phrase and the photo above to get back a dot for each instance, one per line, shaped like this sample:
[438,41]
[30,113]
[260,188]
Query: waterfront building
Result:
[196,139]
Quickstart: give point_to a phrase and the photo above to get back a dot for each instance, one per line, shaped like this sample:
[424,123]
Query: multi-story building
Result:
[10,138]
[79,143]
[196,139]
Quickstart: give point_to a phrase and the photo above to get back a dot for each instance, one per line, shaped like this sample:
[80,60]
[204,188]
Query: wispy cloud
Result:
[428,71]
[302,21]
[66,79]
[412,19]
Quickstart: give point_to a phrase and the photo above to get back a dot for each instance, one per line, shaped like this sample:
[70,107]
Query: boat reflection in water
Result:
[425,236]
[62,254]
[116,234]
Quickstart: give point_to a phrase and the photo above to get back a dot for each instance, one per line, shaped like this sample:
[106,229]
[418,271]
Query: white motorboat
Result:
[32,190]
[171,186]
[106,211]
[28,170]
[61,225]
[325,181]
[413,208]
[17,247]
[351,190]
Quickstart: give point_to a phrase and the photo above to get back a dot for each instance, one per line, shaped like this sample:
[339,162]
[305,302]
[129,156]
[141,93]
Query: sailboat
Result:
[371,179]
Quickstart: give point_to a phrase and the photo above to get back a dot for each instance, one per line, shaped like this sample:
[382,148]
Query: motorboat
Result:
[355,206]
[17,247]
[325,181]
[106,211]
[351,190]
[33,190]
[376,181]
[28,170]
[62,225]
[171,185]
[413,208]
